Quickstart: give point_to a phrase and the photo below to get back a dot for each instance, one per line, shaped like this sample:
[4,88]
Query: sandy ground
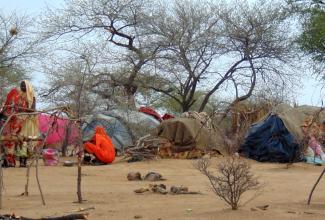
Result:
[107,189]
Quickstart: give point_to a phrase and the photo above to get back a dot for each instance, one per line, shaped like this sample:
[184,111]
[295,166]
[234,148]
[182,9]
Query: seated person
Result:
[315,146]
[101,146]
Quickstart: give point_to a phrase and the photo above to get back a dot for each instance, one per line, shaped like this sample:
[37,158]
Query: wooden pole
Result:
[38,183]
[312,190]
[1,177]
[27,177]
[65,217]
[79,181]
[79,155]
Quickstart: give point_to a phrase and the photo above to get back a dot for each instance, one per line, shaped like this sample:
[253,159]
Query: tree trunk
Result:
[131,102]
[80,156]
[185,108]
[225,77]
[130,91]
[66,138]
[79,180]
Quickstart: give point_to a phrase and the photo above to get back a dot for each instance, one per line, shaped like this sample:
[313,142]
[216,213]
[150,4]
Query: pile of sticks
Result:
[147,147]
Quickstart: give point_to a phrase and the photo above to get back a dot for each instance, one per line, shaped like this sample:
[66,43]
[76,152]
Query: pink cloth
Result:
[57,134]
[50,157]
[313,144]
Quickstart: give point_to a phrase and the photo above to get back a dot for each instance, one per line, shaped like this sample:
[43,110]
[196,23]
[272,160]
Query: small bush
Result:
[234,179]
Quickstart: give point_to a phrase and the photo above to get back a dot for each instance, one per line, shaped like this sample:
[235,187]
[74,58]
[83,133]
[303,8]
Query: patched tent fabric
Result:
[187,134]
[277,136]
[122,126]
[293,118]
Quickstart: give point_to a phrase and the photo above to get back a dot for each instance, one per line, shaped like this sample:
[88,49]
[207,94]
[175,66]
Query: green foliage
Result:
[172,106]
[312,40]
[168,104]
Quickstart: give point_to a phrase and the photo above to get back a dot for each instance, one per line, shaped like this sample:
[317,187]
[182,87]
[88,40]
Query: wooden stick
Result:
[27,177]
[38,183]
[65,217]
[37,165]
[312,190]
[79,155]
[37,160]
[1,178]
[79,181]
[32,113]
[19,138]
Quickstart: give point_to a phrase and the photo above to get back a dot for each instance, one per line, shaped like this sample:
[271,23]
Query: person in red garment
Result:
[101,146]
[18,100]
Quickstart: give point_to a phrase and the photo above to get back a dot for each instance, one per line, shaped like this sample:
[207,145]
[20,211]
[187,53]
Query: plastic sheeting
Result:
[57,133]
[270,141]
[121,126]
[150,111]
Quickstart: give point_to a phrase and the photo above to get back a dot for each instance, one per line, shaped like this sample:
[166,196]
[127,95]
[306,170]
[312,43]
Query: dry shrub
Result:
[234,179]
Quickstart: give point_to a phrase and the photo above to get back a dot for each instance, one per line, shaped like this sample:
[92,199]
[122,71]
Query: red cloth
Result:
[102,146]
[150,111]
[16,100]
[167,116]
[13,104]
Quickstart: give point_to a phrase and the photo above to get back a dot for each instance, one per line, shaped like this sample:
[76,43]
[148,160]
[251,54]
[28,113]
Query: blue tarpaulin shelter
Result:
[277,137]
[270,140]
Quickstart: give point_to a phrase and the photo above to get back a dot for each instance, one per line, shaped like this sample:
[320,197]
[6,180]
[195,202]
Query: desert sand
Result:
[107,189]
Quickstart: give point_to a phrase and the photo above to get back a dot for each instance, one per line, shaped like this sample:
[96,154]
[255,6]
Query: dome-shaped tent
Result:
[122,126]
[277,137]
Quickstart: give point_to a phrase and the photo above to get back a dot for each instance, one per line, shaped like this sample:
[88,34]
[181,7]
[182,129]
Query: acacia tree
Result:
[17,47]
[187,45]
[218,47]
[259,47]
[71,82]
[112,21]
[188,30]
